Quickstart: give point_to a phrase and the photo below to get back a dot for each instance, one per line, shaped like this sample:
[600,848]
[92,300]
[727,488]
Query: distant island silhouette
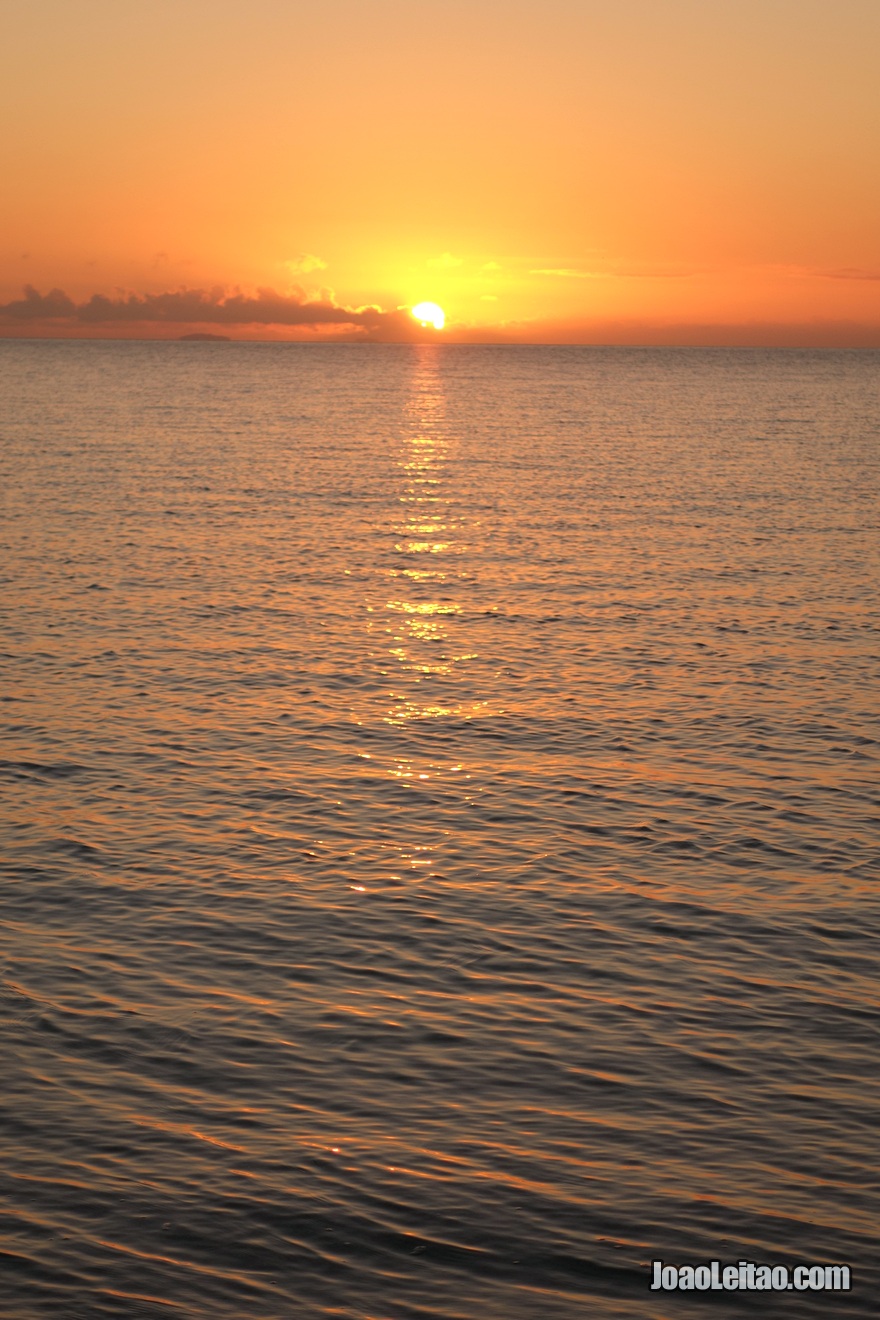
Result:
[202,336]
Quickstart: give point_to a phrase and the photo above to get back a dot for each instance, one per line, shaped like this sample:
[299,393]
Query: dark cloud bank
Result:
[170,315]
[202,307]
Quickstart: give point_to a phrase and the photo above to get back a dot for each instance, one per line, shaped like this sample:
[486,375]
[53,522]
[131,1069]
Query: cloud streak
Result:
[851,273]
[616,272]
[563,273]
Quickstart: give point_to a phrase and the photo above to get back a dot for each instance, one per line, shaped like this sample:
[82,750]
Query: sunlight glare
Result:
[428,313]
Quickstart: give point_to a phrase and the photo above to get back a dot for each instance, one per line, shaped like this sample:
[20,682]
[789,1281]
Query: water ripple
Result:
[441,828]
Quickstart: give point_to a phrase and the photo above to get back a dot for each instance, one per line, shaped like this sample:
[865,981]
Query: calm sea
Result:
[440,829]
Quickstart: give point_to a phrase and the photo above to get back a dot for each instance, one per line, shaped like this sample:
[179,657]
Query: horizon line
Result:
[327,341]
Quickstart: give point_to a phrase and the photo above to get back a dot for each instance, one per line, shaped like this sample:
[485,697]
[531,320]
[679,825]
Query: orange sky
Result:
[544,169]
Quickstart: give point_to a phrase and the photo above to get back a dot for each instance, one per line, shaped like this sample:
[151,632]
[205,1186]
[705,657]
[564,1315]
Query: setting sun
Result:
[440,866]
[428,313]
[146,201]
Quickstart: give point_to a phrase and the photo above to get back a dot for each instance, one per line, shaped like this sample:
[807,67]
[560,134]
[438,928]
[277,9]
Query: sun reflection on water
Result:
[419,630]
[417,626]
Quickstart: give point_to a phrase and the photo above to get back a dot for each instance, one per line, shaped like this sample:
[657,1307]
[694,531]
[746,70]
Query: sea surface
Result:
[440,801]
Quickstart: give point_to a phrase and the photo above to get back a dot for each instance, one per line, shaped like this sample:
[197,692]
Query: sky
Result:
[645,171]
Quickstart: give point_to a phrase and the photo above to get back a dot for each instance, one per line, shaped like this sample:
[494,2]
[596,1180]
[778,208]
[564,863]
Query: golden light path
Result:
[428,313]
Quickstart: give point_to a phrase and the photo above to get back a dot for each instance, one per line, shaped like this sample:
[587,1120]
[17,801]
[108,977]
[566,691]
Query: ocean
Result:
[440,829]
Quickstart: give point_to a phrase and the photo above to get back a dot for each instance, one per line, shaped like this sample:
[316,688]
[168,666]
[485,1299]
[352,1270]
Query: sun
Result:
[429,313]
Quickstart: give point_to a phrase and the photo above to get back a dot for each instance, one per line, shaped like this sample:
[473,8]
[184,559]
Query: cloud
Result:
[564,273]
[850,273]
[446,261]
[305,263]
[617,272]
[164,315]
[662,272]
[38,306]
[200,307]
[189,305]
[489,297]
[780,270]
[490,266]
